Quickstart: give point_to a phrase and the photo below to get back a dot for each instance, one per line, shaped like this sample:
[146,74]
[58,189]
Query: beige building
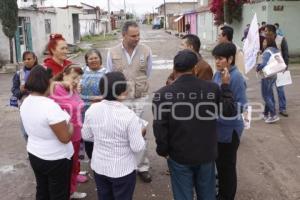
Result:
[174,9]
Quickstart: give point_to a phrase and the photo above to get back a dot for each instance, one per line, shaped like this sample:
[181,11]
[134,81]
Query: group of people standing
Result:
[198,118]
[55,110]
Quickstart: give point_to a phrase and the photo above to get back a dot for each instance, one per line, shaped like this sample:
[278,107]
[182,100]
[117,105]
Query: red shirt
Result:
[54,66]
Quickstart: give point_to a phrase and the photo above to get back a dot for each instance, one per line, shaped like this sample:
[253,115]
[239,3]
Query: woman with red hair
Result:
[58,49]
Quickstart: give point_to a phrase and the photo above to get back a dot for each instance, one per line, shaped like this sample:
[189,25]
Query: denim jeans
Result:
[267,85]
[184,178]
[281,98]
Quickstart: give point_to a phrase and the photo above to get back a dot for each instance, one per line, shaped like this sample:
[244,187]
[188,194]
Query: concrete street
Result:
[268,156]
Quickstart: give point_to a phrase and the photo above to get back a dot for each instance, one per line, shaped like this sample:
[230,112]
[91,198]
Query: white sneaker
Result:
[83,173]
[265,117]
[273,119]
[78,195]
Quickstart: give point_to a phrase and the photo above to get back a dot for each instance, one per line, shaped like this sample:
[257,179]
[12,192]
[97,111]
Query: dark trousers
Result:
[226,166]
[89,146]
[115,188]
[52,178]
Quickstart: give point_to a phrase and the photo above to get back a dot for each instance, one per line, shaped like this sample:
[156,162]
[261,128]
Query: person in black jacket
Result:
[184,126]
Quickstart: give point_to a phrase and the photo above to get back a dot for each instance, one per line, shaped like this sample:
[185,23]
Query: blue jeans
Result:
[185,177]
[281,98]
[267,85]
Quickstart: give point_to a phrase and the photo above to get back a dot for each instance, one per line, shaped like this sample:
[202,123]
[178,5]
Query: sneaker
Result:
[84,173]
[78,195]
[266,117]
[284,113]
[273,119]
[81,178]
[145,176]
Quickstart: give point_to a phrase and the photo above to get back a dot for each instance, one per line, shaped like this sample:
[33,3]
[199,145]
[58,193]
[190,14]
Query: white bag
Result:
[283,78]
[275,65]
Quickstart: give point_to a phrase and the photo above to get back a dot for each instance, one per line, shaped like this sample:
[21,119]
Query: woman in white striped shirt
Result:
[117,135]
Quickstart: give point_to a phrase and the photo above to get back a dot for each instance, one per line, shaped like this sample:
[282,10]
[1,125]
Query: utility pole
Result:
[108,6]
[109,22]
[125,8]
[165,14]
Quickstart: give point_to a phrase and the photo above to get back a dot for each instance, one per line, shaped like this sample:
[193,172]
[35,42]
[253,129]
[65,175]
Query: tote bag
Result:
[275,65]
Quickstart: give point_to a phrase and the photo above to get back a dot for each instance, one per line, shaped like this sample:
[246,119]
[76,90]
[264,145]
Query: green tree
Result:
[9,19]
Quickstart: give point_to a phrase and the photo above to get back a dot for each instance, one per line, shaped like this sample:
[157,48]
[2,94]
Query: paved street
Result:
[268,156]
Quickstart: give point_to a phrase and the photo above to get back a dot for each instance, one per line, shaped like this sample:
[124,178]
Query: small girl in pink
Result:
[64,92]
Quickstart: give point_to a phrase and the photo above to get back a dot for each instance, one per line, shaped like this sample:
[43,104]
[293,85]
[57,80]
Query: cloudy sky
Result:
[138,6]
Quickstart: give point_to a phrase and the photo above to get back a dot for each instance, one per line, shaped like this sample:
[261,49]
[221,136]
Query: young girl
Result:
[20,78]
[267,84]
[64,92]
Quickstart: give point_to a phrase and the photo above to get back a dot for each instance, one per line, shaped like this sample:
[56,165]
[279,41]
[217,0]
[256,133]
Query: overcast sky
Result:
[138,6]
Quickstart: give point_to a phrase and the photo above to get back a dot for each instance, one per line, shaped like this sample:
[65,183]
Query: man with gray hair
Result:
[134,60]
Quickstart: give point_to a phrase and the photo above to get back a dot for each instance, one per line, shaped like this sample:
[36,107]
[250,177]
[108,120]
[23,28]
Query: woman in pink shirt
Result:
[64,92]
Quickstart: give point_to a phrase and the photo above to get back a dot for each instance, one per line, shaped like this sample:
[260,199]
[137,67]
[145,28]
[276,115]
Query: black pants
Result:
[226,166]
[89,146]
[115,188]
[52,178]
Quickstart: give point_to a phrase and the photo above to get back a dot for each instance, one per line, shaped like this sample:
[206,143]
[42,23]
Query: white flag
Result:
[251,45]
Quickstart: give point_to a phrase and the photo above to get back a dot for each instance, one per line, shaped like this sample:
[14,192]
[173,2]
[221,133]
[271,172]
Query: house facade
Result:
[35,24]
[174,10]
[206,29]
[92,20]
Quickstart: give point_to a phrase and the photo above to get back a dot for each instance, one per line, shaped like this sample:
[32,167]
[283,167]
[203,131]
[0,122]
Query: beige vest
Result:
[136,72]
[278,41]
[239,60]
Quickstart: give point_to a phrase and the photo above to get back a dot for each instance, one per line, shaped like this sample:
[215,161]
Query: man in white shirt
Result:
[134,60]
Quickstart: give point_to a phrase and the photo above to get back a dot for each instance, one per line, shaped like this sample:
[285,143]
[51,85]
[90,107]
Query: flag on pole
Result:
[251,45]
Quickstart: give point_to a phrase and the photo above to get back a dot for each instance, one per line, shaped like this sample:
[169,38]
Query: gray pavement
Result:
[268,157]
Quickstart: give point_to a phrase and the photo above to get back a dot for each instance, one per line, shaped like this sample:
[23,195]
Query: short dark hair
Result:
[228,32]
[30,53]
[271,28]
[112,84]
[276,24]
[127,24]
[185,60]
[225,50]
[263,23]
[39,79]
[91,51]
[193,40]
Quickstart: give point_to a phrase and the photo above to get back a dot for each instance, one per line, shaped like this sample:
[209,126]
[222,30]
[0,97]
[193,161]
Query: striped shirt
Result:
[117,135]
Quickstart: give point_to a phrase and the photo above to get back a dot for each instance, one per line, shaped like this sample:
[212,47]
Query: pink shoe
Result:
[81,179]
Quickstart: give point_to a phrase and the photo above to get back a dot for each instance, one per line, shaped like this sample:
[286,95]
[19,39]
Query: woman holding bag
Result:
[268,83]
